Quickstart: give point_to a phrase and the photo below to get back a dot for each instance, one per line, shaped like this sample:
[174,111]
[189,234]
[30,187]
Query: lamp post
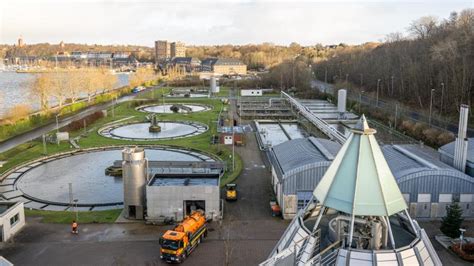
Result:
[431,106]
[361,79]
[57,123]
[347,77]
[75,209]
[360,100]
[442,98]
[462,230]
[378,85]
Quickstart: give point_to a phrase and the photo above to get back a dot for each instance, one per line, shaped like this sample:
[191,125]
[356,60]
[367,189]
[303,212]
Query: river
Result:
[15,88]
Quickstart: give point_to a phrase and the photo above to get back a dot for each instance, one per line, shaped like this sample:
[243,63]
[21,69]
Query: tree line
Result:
[435,61]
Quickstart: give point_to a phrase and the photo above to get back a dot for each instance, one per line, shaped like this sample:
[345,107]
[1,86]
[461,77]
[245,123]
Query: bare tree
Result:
[423,27]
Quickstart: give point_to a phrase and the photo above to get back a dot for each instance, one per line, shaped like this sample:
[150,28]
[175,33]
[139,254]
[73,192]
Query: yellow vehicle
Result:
[178,243]
[231,192]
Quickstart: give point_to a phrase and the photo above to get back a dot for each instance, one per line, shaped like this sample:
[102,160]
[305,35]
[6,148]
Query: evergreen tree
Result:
[452,221]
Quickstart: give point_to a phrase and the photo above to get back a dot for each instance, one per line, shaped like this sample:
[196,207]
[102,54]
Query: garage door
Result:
[423,206]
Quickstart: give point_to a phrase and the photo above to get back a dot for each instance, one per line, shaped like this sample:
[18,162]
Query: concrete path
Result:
[38,132]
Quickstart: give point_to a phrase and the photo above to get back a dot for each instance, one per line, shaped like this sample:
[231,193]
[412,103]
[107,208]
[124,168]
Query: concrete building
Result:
[12,219]
[178,49]
[162,51]
[251,92]
[176,196]
[224,66]
[231,135]
[165,51]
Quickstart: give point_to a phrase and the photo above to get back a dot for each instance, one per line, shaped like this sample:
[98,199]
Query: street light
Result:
[57,123]
[75,209]
[377,101]
[360,100]
[431,106]
[442,98]
[461,237]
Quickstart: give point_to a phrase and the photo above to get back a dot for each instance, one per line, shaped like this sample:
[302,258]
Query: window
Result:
[304,197]
[14,219]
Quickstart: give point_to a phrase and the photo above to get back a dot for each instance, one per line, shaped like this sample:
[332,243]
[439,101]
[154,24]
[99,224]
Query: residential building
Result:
[224,66]
[162,51]
[178,49]
[189,64]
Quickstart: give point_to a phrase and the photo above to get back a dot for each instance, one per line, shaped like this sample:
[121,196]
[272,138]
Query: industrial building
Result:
[224,66]
[446,154]
[12,219]
[297,167]
[161,190]
[361,217]
[251,92]
[428,185]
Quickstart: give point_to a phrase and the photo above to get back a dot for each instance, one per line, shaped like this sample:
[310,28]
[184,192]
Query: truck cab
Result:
[231,192]
[178,243]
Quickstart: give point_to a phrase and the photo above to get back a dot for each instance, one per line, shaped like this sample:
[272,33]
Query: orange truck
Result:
[178,243]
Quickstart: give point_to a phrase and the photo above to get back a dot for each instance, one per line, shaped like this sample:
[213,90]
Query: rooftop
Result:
[183,181]
[299,152]
[449,149]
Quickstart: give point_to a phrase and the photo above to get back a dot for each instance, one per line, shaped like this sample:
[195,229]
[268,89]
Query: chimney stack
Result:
[460,147]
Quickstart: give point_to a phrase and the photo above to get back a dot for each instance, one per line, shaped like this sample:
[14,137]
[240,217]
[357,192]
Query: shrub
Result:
[445,138]
[79,124]
[452,221]
[18,112]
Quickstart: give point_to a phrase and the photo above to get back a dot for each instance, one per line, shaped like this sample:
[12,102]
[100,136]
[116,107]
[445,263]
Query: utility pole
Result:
[391,93]
[442,98]
[378,86]
[326,75]
[45,150]
[431,106]
[360,100]
[396,115]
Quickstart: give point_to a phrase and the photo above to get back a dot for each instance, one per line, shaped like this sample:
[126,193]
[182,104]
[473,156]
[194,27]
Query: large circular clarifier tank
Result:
[166,108]
[45,184]
[140,131]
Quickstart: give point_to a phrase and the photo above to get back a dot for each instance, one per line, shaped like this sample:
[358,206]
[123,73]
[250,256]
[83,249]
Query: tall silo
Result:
[341,101]
[134,182]
[461,144]
[214,87]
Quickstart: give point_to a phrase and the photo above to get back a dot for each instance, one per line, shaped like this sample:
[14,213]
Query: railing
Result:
[315,120]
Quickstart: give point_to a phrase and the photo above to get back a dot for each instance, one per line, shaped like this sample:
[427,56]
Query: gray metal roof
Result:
[299,152]
[412,158]
[184,181]
[449,149]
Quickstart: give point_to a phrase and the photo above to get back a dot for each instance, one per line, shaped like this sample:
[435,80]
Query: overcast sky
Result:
[212,22]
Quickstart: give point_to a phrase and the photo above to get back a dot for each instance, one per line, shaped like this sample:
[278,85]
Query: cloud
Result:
[211,22]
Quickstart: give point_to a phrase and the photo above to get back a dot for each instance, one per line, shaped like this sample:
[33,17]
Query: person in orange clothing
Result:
[74,227]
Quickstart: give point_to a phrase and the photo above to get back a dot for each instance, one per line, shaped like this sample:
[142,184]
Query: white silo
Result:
[341,101]
[214,87]
[134,182]
[461,144]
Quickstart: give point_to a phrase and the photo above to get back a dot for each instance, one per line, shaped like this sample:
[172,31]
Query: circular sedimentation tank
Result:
[166,108]
[141,131]
[44,184]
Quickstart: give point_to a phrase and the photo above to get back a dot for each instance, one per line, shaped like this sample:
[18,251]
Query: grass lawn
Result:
[66,217]
[34,149]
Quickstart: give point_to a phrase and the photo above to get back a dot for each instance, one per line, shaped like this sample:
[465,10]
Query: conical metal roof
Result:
[359,181]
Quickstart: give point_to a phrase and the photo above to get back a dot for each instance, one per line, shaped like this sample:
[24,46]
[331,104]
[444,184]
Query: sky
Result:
[203,22]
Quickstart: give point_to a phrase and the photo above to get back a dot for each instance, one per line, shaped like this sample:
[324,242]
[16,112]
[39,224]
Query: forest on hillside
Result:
[436,55]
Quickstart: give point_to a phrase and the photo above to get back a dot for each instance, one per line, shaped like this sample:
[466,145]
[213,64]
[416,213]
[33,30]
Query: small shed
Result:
[251,92]
[12,219]
[229,135]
